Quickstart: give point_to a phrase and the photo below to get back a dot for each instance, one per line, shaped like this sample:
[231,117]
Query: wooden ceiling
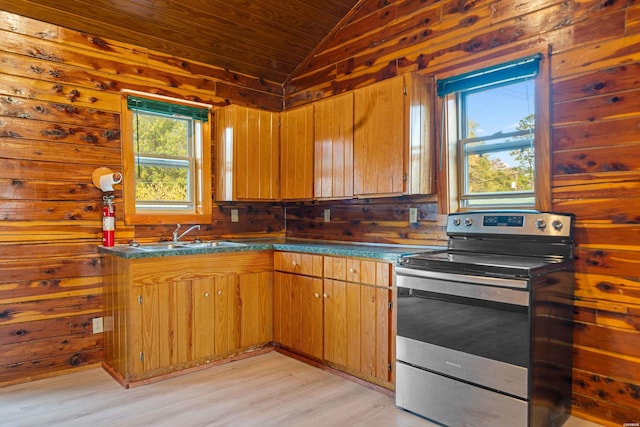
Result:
[268,39]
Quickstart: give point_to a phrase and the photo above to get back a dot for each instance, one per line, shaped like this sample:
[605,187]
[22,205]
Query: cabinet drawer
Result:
[375,273]
[344,269]
[357,271]
[298,263]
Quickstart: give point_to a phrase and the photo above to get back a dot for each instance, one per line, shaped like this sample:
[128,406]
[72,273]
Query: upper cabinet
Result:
[420,139]
[333,147]
[392,151]
[296,148]
[248,155]
[374,141]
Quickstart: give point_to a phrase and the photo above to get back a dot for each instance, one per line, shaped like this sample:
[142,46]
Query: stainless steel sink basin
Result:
[153,247]
[212,244]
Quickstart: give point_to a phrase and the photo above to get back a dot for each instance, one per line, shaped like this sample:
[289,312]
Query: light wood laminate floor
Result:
[267,390]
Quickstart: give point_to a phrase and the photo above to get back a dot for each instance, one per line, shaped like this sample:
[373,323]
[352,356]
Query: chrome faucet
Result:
[175,232]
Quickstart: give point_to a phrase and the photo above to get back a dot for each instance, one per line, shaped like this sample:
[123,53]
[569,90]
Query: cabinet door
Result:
[296,147]
[421,124]
[298,313]
[379,138]
[282,299]
[311,304]
[204,318]
[166,325]
[333,147]
[335,321]
[227,315]
[248,161]
[375,319]
[256,296]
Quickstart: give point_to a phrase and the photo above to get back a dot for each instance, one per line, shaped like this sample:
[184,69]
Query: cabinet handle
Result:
[317,295]
[220,292]
[206,294]
[325,295]
[294,263]
[351,270]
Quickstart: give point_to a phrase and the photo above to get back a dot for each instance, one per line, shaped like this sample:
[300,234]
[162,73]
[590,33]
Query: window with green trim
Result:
[166,150]
[493,112]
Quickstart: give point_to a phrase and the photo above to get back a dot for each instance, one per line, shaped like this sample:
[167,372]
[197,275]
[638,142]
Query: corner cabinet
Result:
[393,133]
[333,151]
[296,150]
[337,311]
[297,303]
[166,314]
[248,154]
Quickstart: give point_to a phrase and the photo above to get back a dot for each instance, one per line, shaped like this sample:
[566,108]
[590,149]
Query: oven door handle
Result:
[509,291]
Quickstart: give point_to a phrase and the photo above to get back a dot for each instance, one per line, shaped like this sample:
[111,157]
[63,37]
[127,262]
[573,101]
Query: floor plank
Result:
[267,390]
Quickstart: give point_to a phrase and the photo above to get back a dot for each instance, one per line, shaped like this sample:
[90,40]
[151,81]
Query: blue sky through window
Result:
[501,109]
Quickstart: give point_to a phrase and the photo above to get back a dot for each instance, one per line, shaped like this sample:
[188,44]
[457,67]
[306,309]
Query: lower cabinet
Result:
[356,328]
[339,314]
[172,313]
[298,313]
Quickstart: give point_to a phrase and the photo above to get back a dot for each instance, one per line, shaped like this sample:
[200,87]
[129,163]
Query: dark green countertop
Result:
[385,252]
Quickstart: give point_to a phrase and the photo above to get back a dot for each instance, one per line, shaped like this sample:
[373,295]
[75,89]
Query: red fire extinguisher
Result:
[108,221]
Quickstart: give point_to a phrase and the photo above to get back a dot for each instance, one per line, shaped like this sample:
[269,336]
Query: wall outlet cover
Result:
[98,325]
[413,215]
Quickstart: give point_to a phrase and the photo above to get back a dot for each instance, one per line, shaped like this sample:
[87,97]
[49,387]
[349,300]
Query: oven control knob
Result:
[557,225]
[455,221]
[468,222]
[541,224]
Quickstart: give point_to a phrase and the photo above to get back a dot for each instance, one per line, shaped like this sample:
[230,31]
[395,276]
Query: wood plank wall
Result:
[595,131]
[59,120]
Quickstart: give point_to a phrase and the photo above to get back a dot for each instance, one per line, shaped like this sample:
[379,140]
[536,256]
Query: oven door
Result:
[475,329]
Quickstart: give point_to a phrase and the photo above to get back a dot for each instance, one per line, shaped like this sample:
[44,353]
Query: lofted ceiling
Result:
[268,39]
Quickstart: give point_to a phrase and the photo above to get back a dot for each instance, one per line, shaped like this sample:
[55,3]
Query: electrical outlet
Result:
[98,325]
[234,215]
[413,215]
[327,215]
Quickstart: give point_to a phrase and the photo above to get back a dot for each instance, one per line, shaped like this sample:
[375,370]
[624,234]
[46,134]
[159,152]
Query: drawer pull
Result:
[206,294]
[220,292]
[317,295]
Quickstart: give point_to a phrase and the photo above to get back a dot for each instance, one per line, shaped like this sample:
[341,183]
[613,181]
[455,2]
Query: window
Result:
[491,116]
[166,160]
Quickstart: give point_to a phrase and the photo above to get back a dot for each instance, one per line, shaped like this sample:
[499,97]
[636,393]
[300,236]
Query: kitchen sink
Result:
[212,244]
[153,247]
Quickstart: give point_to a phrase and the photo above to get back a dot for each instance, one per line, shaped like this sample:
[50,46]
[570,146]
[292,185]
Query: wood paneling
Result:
[58,122]
[376,220]
[263,38]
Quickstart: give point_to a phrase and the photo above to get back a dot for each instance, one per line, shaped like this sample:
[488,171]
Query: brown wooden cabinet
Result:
[172,313]
[338,310]
[358,322]
[248,154]
[296,147]
[333,147]
[393,133]
[297,303]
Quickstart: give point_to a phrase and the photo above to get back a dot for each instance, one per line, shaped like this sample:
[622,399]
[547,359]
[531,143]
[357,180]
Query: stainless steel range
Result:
[485,327]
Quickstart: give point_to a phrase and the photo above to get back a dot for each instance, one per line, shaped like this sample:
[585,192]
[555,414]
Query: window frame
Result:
[465,197]
[447,156]
[200,186]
